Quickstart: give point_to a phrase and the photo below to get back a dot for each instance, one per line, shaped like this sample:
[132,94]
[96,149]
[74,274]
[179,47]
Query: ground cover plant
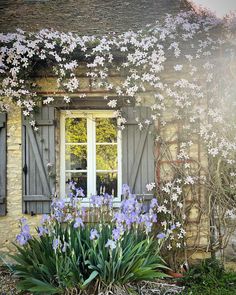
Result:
[209,278]
[122,247]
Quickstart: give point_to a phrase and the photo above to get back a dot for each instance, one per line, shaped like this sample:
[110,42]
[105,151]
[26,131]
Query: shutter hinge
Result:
[25,169]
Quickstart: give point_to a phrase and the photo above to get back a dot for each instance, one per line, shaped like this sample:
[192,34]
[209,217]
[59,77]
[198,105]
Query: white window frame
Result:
[91,151]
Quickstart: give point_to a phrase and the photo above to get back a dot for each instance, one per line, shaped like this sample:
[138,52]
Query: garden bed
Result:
[8,287]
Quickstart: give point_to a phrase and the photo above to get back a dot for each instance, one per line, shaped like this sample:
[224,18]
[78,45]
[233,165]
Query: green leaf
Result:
[92,276]
[34,285]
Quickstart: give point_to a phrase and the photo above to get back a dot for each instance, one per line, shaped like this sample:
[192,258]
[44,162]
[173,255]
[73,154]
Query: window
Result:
[91,152]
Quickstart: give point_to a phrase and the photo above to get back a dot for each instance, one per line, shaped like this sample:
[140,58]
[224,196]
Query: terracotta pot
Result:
[174,274]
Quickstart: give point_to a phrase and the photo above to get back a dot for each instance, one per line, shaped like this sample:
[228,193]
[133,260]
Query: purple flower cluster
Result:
[75,191]
[58,245]
[132,215]
[66,210]
[58,209]
[101,200]
[24,235]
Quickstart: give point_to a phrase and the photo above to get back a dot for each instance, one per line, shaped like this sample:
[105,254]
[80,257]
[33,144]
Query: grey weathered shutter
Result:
[137,151]
[38,155]
[3,162]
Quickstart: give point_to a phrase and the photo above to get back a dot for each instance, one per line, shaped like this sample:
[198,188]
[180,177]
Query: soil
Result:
[8,283]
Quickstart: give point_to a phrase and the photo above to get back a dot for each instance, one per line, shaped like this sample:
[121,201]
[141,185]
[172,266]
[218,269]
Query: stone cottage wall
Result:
[86,18]
[9,223]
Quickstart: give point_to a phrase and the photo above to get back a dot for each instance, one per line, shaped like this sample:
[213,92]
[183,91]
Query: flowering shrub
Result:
[123,246]
[187,65]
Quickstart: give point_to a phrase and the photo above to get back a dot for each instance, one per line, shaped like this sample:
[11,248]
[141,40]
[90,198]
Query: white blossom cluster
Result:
[188,61]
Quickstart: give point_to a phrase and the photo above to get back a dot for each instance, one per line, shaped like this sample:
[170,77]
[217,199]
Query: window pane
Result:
[106,130]
[76,130]
[106,157]
[76,157]
[107,183]
[79,177]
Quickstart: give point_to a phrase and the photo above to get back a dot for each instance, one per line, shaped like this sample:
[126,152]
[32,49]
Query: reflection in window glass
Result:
[107,183]
[76,157]
[76,130]
[106,130]
[106,157]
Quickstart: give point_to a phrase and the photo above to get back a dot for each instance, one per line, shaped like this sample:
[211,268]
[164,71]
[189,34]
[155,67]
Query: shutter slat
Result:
[36,198]
[137,151]
[3,163]
[38,151]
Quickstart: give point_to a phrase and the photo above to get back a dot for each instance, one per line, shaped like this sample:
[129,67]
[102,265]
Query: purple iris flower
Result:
[42,230]
[119,217]
[111,244]
[83,211]
[125,190]
[161,236]
[96,200]
[25,228]
[153,217]
[55,244]
[108,200]
[58,215]
[45,218]
[116,233]
[23,220]
[128,222]
[24,235]
[148,225]
[133,217]
[153,203]
[68,217]
[78,222]
[79,192]
[94,234]
[60,204]
[21,239]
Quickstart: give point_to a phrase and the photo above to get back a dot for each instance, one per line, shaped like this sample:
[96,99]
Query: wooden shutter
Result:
[38,154]
[3,163]
[137,151]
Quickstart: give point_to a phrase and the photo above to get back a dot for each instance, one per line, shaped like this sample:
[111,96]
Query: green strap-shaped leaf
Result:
[90,278]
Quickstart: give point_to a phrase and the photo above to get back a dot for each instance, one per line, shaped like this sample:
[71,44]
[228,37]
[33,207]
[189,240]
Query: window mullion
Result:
[62,159]
[94,167]
[91,176]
